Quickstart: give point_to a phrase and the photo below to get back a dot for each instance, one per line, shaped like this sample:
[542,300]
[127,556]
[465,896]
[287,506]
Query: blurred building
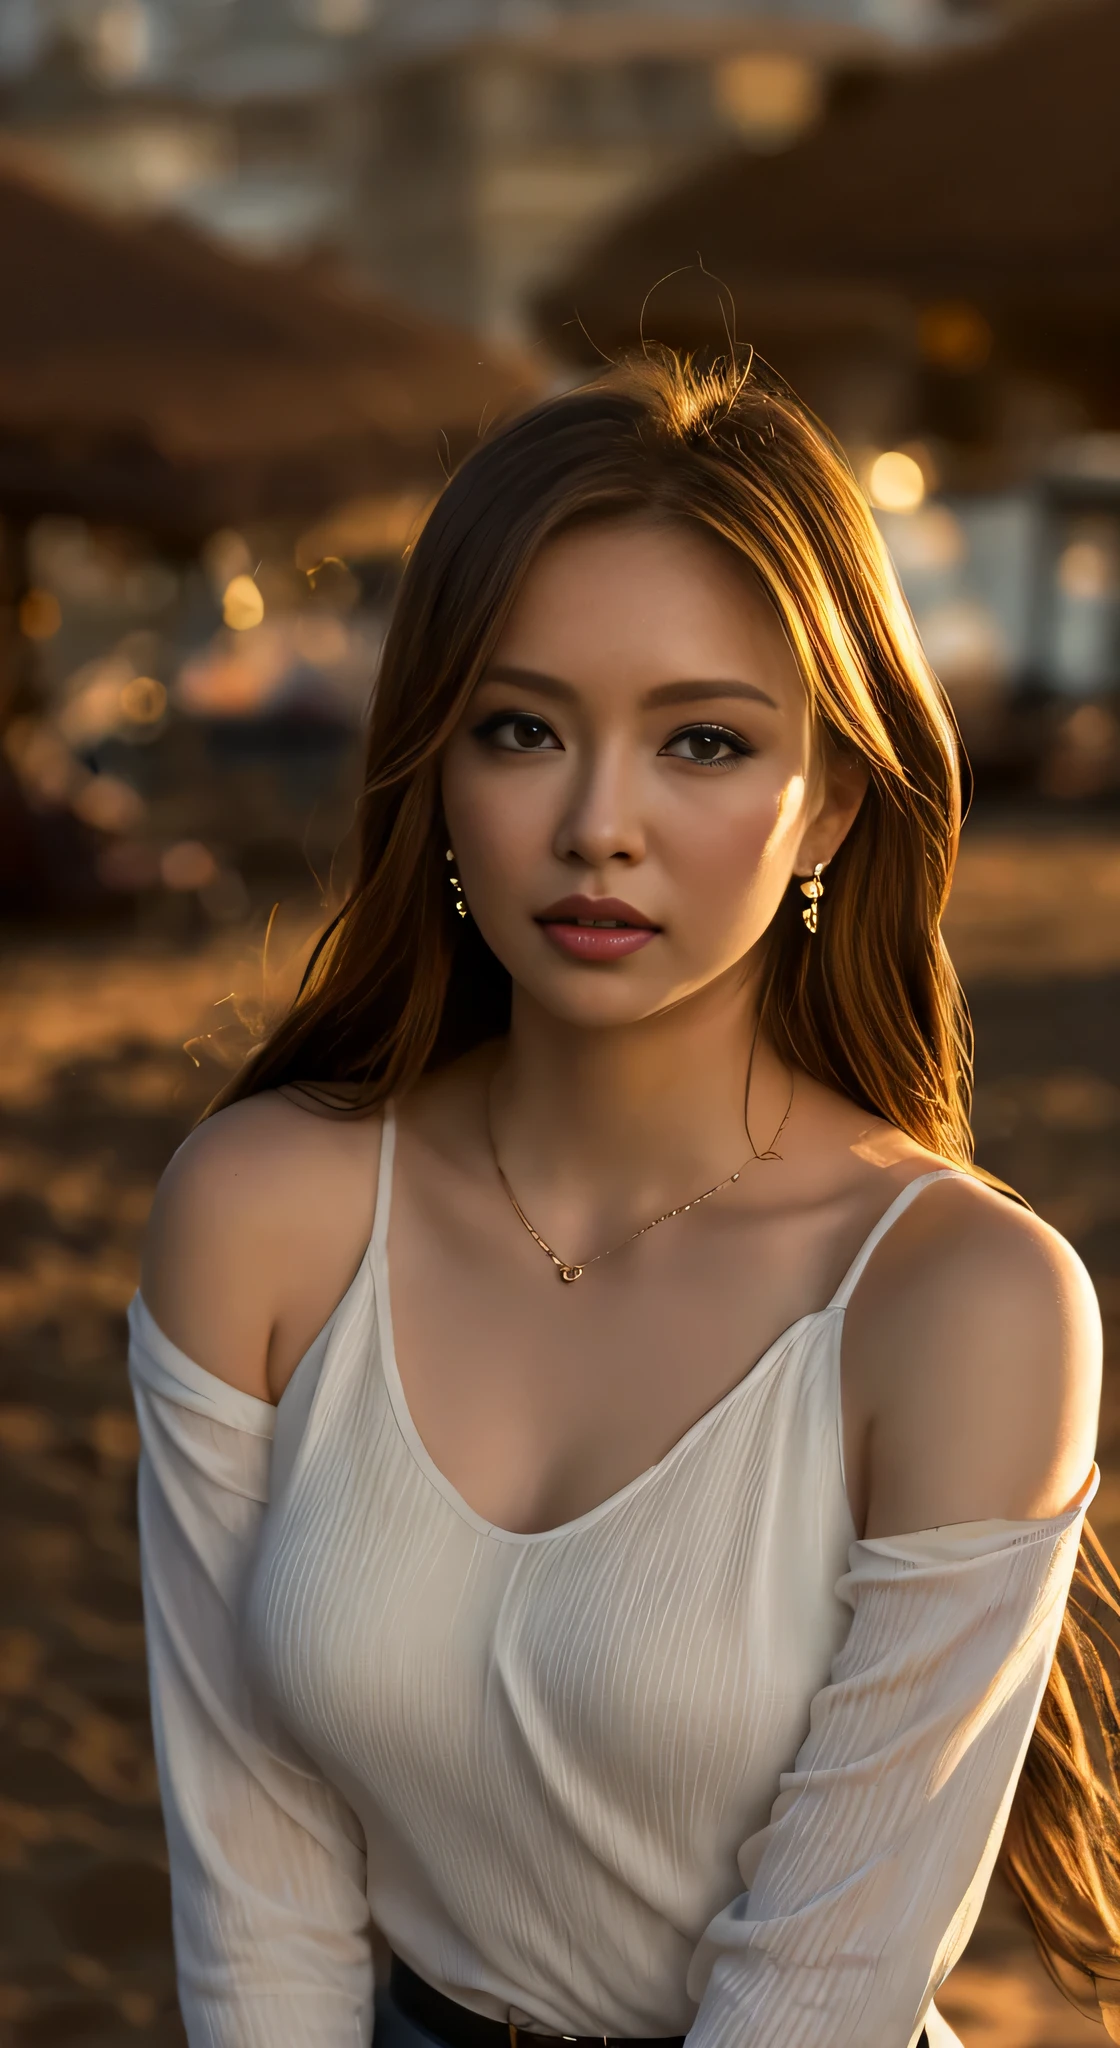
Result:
[463,154]
[245,116]
[457,151]
[505,133]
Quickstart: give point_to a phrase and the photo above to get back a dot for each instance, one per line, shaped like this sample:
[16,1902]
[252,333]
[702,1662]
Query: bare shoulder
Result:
[259,1224]
[972,1362]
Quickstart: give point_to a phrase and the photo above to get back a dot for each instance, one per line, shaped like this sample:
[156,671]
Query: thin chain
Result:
[575,1272]
[771,1151]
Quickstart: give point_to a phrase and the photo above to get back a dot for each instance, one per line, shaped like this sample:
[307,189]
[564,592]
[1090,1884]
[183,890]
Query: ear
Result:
[843,785]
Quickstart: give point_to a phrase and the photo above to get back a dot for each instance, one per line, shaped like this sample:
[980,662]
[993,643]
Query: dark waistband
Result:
[458,2027]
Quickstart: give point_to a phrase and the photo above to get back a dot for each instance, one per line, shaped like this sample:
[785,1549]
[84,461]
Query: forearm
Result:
[864,1886]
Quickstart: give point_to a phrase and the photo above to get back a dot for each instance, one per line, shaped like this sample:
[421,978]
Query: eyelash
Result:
[497,719]
[740,748]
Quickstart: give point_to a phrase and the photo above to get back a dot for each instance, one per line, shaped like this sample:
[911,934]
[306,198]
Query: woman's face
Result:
[633,783]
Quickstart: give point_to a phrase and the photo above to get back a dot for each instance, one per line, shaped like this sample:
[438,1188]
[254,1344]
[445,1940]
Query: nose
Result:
[601,821]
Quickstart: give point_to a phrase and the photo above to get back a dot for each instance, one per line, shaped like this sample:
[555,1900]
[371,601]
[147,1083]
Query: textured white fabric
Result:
[545,1766]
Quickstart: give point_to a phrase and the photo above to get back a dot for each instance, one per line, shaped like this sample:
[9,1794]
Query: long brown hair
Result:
[398,984]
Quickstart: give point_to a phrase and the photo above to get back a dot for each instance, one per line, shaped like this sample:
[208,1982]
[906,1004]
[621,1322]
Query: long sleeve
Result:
[272,1932]
[865,1885]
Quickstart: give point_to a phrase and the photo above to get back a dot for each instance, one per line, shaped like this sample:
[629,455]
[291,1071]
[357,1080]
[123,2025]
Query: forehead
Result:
[639,602]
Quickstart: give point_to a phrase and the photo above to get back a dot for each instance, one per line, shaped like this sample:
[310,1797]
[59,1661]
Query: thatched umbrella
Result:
[992,179]
[148,379]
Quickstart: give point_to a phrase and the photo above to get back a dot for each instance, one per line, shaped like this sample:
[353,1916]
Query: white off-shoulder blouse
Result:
[697,1761]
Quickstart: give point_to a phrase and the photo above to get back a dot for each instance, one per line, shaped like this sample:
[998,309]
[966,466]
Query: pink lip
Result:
[561,922]
[582,943]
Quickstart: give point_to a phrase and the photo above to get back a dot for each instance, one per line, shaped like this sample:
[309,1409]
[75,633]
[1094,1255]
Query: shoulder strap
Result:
[889,1217]
[383,1203]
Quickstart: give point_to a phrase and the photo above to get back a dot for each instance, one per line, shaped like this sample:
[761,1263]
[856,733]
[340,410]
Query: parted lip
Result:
[584,909]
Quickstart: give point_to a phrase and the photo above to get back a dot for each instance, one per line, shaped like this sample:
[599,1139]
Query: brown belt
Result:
[457,2027]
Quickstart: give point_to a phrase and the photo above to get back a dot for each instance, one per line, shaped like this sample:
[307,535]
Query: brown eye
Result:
[710,746]
[530,732]
[705,746]
[517,732]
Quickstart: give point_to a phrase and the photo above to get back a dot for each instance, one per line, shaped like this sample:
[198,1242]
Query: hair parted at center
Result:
[398,985]
[872,1007]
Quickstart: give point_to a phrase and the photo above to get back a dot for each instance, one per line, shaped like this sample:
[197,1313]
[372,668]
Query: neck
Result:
[600,1123]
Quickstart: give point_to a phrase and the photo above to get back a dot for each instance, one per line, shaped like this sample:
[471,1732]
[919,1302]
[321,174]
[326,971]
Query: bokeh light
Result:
[143,700]
[1087,569]
[108,803]
[188,865]
[242,604]
[955,336]
[769,96]
[40,615]
[896,482]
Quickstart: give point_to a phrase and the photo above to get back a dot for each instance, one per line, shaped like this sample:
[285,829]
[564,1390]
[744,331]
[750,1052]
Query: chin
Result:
[596,998]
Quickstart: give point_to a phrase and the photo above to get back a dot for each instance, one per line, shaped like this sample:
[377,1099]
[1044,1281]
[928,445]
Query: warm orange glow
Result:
[332,581]
[143,700]
[108,803]
[40,615]
[188,865]
[365,527]
[224,556]
[242,604]
[770,96]
[955,336]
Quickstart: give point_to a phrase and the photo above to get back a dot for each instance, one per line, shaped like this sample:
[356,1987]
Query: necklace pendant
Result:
[570,1273]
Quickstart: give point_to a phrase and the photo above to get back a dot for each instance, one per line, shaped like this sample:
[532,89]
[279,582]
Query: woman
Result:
[559,1618]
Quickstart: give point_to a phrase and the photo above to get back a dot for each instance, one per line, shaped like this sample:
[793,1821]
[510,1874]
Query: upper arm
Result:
[972,1361]
[257,1228]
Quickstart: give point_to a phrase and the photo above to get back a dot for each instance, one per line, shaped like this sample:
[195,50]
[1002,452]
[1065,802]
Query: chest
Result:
[661,1647]
[539,1400]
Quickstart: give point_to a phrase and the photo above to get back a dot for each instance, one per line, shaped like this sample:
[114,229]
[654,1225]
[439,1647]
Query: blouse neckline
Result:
[761,1370]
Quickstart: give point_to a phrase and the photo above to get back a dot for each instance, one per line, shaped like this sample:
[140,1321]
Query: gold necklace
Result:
[571,1272]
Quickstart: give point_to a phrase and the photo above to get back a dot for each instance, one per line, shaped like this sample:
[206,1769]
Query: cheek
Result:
[732,855]
[494,814]
[500,820]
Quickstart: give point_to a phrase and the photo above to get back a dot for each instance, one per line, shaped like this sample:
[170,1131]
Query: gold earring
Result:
[814,890]
[456,887]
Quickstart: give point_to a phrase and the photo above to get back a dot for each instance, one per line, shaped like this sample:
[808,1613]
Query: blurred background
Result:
[267,268]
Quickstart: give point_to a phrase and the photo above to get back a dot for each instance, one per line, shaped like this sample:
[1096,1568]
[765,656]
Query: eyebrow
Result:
[690,692]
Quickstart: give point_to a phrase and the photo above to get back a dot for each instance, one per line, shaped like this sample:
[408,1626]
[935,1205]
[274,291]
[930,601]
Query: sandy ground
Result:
[96,1090]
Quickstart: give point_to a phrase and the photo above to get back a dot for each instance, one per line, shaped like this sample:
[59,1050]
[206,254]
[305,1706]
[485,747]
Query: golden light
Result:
[770,96]
[108,803]
[143,700]
[365,527]
[188,865]
[224,556]
[955,336]
[242,604]
[40,615]
[42,760]
[333,582]
[895,482]
[93,707]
